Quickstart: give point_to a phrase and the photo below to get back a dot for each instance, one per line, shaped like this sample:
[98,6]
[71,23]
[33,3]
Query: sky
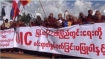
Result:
[59,6]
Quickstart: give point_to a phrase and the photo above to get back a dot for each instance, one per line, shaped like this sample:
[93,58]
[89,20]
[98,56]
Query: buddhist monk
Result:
[51,21]
[82,18]
[60,21]
[38,21]
[20,23]
[98,17]
[45,22]
[90,17]
[76,21]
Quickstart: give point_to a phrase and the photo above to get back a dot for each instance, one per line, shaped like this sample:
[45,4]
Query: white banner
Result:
[7,38]
[83,41]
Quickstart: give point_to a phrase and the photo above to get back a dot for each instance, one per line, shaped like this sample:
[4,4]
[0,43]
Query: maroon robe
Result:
[52,22]
[98,21]
[13,25]
[89,18]
[2,28]
[22,25]
[45,23]
[77,22]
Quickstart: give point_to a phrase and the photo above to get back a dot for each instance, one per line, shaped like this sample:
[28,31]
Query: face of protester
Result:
[97,14]
[6,21]
[75,19]
[59,16]
[70,17]
[90,12]
[81,14]
[11,22]
[67,17]
[51,15]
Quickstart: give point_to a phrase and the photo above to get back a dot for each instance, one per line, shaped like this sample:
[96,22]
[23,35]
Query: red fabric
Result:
[16,9]
[78,22]
[52,22]
[24,2]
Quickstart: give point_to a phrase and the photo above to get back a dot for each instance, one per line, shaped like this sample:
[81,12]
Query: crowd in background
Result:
[51,22]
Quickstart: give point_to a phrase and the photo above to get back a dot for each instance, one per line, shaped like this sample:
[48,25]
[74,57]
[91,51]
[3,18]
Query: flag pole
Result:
[42,8]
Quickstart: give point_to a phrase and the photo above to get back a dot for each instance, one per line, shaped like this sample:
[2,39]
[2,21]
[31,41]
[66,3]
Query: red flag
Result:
[24,2]
[15,9]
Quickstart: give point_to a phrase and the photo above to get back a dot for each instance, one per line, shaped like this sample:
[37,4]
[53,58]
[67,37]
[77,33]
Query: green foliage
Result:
[25,18]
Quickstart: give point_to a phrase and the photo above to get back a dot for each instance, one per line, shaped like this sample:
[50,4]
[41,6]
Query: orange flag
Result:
[24,2]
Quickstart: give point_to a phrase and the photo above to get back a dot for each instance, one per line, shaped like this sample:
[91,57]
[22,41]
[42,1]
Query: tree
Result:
[25,18]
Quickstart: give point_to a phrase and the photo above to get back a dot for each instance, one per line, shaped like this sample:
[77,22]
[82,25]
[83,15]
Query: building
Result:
[8,7]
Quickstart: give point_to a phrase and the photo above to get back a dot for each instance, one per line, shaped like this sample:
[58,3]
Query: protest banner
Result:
[82,41]
[7,38]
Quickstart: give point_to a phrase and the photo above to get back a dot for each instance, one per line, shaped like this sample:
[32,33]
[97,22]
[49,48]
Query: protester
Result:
[76,21]
[7,24]
[67,21]
[2,27]
[39,21]
[45,22]
[90,17]
[60,21]
[98,17]
[82,18]
[51,21]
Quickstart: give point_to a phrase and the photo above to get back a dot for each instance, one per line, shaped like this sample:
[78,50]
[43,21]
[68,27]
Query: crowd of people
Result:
[51,22]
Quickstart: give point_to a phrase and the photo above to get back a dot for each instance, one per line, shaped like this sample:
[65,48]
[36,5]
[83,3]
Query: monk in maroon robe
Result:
[98,17]
[90,18]
[76,21]
[20,23]
[38,21]
[51,21]
[45,22]
[82,18]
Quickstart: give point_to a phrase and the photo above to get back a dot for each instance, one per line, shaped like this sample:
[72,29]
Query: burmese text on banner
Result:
[7,38]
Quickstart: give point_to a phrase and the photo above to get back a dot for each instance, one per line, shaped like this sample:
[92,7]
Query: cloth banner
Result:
[83,41]
[7,38]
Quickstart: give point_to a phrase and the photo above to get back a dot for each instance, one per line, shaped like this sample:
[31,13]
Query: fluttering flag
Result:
[3,11]
[67,23]
[24,2]
[15,9]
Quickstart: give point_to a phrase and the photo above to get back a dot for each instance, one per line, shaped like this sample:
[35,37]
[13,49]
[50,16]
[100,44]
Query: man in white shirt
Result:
[7,24]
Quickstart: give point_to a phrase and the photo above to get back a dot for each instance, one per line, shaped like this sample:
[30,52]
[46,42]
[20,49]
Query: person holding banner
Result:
[90,17]
[68,21]
[45,22]
[51,21]
[76,21]
[38,21]
[60,21]
[98,17]
[82,18]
